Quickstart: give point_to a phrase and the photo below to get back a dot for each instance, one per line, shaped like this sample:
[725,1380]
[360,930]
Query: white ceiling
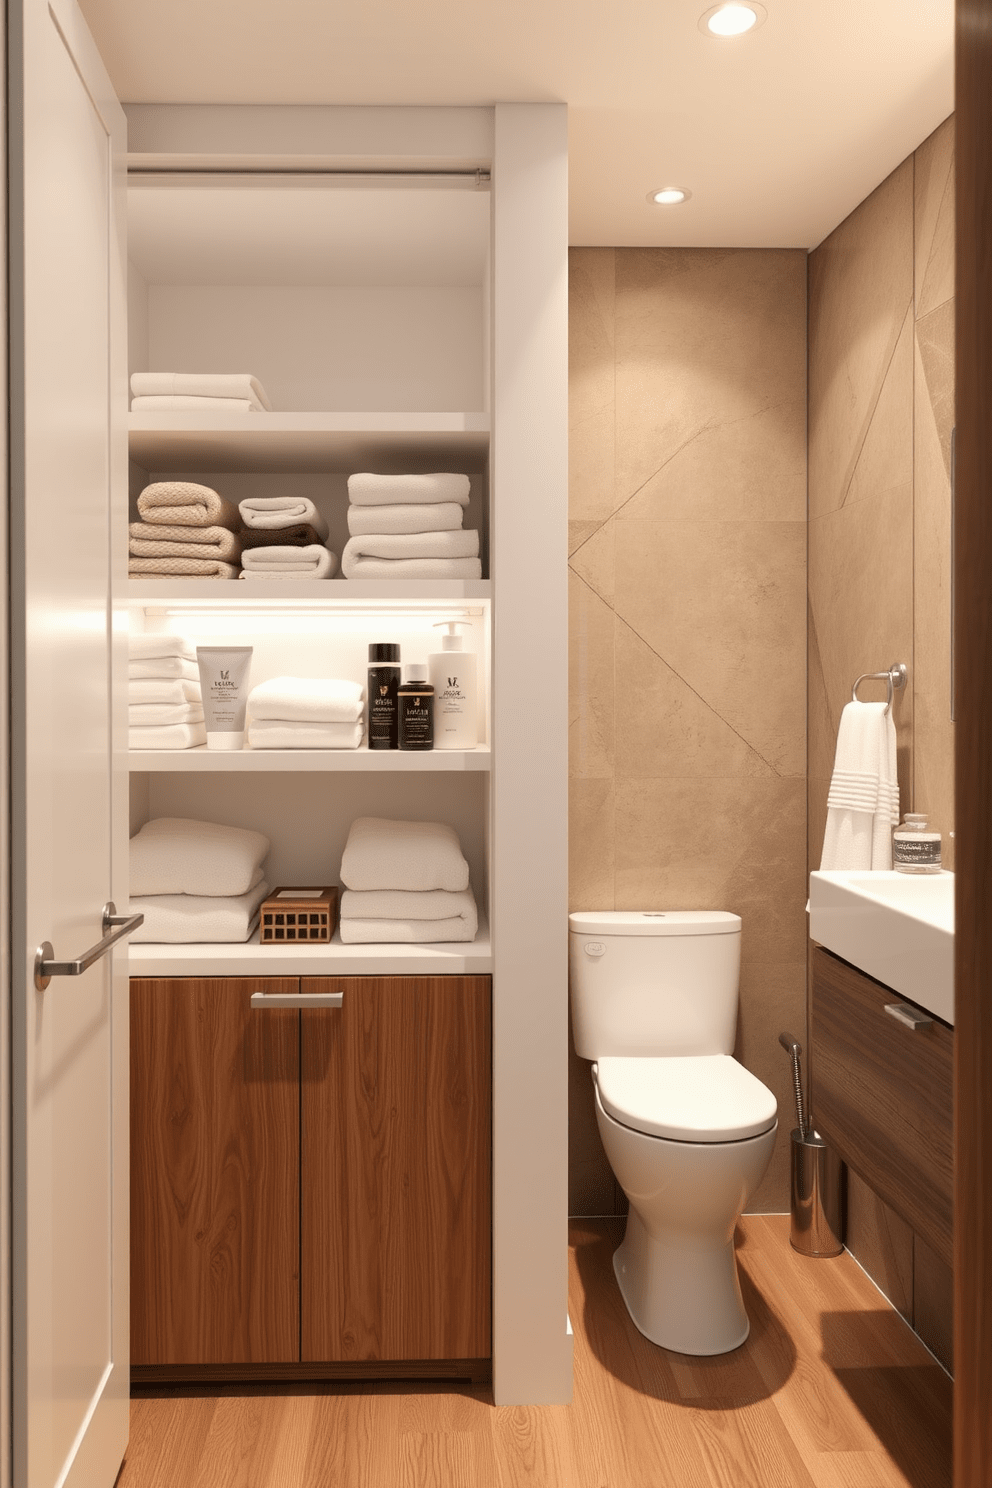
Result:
[778,134]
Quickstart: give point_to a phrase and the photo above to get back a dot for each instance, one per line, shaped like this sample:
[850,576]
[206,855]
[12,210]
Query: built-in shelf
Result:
[391,443]
[454,958]
[309,760]
[199,593]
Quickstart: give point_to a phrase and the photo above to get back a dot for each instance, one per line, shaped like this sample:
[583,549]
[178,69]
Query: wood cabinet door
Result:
[215,1173]
[396,1170]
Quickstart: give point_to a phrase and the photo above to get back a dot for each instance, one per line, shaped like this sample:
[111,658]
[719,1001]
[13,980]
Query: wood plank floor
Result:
[831,1390]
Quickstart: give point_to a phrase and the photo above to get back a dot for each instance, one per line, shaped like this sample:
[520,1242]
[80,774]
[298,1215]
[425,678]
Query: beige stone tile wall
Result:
[688,625]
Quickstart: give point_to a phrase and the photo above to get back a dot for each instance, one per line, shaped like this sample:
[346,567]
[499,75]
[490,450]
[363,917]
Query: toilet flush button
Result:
[594,948]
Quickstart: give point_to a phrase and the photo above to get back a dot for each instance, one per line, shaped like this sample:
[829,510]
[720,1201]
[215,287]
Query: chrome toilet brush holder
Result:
[817,1178]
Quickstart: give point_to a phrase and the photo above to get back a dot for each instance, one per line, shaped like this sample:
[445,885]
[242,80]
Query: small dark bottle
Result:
[384,681]
[416,708]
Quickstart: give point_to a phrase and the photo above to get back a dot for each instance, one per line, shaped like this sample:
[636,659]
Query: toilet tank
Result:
[654,983]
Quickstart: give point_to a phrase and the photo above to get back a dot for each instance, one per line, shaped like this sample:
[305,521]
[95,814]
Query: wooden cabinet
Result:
[310,1191]
[883,1095]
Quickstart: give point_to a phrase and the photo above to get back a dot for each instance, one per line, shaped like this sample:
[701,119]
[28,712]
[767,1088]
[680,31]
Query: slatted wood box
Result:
[298,917]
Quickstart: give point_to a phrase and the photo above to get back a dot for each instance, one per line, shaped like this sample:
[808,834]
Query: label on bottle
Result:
[416,720]
[916,850]
[450,698]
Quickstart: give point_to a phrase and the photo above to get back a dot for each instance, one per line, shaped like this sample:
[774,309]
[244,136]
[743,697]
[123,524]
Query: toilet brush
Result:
[794,1049]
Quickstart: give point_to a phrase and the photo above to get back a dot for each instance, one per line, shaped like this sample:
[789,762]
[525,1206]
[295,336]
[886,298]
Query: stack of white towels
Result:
[196,881]
[409,527]
[305,713]
[165,707]
[187,531]
[197,392]
[284,537]
[405,881]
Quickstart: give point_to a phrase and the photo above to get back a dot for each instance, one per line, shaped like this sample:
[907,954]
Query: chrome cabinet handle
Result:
[297,1000]
[115,927]
[911,1017]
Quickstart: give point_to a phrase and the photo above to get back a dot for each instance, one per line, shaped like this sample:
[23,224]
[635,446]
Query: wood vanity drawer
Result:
[883,1094]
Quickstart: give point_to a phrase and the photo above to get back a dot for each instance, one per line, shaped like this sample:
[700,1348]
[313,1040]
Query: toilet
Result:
[687,1130]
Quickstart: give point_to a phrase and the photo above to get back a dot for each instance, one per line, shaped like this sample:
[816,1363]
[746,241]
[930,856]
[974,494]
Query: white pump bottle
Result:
[451,672]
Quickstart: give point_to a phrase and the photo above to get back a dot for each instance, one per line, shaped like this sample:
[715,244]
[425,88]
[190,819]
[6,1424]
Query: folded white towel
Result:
[186,504]
[385,854]
[442,516]
[156,540]
[415,568]
[863,801]
[366,489]
[163,669]
[164,689]
[273,512]
[273,733]
[406,932]
[159,713]
[142,647]
[182,919]
[166,736]
[199,385]
[308,699]
[178,855]
[401,904]
[178,403]
[313,562]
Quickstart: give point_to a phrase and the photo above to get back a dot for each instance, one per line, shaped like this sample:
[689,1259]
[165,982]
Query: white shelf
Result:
[455,958]
[309,760]
[392,443]
[225,593]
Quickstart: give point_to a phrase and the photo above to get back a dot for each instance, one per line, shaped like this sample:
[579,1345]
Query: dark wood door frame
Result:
[973,752]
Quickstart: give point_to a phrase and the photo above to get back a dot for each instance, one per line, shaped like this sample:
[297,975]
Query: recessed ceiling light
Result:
[669,196]
[734,18]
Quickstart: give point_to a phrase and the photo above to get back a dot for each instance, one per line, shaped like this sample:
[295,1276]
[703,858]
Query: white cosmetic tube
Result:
[224,685]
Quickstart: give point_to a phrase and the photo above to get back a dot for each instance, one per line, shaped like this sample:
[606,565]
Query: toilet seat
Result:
[700,1098]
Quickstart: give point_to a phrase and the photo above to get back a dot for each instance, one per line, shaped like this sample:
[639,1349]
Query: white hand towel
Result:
[442,516]
[404,546]
[166,736]
[177,403]
[385,854]
[152,540]
[272,733]
[199,384]
[150,690]
[143,647]
[415,568]
[863,802]
[405,932]
[162,669]
[313,562]
[401,904]
[186,504]
[307,699]
[182,919]
[178,855]
[273,512]
[366,489]
[159,713]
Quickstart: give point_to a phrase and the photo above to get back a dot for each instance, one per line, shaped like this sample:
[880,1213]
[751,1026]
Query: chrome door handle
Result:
[297,1000]
[910,1016]
[115,927]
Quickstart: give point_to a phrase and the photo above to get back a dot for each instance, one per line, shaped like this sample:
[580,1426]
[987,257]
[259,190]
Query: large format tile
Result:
[934,218]
[591,844]
[591,625]
[594,560]
[591,380]
[724,604]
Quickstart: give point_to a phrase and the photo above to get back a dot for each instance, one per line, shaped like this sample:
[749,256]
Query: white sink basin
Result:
[896,927]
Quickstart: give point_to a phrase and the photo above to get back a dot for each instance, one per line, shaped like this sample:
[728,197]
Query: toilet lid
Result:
[702,1098]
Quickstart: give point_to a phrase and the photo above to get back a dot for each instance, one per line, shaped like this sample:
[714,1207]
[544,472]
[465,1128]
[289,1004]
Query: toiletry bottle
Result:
[914,848]
[451,673]
[384,681]
[416,708]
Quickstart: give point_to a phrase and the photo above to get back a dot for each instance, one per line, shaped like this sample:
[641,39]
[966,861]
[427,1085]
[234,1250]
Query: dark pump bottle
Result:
[384,681]
[416,708]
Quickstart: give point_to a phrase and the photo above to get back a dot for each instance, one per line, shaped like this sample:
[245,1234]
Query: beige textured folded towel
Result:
[149,540]
[186,568]
[185,504]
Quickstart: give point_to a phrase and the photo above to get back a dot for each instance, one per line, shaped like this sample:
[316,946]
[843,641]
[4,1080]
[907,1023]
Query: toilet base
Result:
[686,1298]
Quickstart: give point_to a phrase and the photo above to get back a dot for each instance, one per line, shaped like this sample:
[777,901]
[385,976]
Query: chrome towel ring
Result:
[895,679]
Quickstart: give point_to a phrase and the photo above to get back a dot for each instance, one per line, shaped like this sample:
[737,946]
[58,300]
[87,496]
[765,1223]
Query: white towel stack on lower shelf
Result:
[284,537]
[405,882]
[165,709]
[409,527]
[196,881]
[305,713]
[197,392]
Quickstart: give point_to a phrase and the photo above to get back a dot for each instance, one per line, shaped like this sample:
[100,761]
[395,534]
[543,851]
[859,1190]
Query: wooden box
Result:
[298,916]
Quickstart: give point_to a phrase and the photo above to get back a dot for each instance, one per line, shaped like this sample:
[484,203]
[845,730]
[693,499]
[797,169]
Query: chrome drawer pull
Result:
[114,927]
[910,1016]
[297,999]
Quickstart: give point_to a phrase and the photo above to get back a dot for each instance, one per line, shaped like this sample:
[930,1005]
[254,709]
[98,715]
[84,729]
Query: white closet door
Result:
[70,1193]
